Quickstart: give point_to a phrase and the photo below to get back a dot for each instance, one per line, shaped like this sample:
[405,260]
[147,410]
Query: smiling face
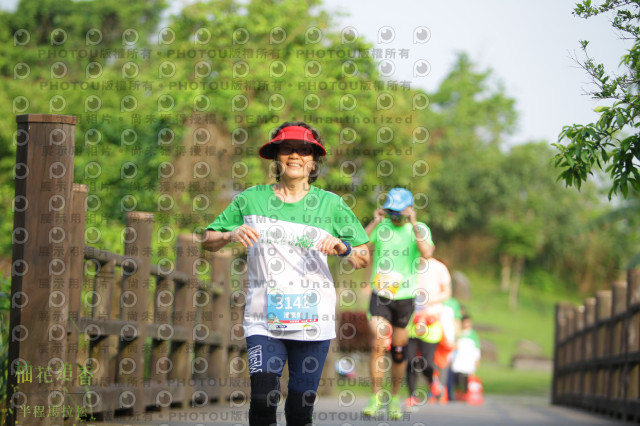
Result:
[296,160]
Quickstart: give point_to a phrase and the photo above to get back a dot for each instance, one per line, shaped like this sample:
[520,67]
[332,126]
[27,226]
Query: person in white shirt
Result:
[467,354]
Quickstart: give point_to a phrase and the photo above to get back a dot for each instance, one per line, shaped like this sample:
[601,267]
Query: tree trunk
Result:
[513,290]
[505,273]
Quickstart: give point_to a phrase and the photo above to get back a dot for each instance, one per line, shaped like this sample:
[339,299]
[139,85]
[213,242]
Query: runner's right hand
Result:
[244,234]
[379,214]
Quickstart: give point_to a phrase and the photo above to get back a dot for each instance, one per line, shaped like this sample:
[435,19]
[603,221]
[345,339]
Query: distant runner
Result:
[399,241]
[425,331]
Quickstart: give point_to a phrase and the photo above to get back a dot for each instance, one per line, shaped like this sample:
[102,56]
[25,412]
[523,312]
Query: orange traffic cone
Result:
[444,398]
[437,393]
[475,394]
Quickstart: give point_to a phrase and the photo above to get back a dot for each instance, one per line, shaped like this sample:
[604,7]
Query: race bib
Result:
[387,282]
[291,310]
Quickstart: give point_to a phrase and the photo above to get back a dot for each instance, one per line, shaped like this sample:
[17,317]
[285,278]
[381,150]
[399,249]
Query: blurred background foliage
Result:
[172,110]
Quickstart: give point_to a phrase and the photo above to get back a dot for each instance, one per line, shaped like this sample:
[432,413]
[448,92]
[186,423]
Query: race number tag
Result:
[291,311]
[388,283]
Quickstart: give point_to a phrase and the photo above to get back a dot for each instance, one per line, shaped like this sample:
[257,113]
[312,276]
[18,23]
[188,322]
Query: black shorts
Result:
[397,312]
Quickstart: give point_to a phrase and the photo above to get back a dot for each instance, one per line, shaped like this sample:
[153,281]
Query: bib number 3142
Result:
[291,311]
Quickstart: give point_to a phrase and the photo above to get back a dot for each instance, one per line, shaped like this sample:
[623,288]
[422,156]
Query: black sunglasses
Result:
[302,150]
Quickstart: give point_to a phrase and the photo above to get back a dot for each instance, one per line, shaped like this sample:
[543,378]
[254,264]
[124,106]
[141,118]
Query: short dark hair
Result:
[317,159]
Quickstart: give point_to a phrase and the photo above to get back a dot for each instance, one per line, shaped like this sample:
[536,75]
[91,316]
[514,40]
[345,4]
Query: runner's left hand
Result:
[331,245]
[410,213]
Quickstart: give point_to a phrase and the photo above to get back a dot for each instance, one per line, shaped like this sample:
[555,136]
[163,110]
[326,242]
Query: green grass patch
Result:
[501,380]
[532,320]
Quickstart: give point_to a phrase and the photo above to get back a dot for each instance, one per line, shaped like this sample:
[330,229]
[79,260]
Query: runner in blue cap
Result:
[399,241]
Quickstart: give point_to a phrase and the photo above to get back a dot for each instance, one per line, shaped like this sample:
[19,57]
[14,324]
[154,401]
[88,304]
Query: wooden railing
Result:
[597,352]
[94,333]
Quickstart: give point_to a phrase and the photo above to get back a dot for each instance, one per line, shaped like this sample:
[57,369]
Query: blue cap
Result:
[398,199]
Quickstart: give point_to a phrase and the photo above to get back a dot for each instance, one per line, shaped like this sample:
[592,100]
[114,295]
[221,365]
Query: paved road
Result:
[497,410]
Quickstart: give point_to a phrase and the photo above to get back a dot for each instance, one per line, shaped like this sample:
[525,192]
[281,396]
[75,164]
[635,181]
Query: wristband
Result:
[348,252]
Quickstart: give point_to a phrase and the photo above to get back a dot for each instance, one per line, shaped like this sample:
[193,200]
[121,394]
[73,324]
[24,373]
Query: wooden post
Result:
[603,312]
[619,306]
[221,309]
[578,347]
[590,311]
[619,292]
[619,372]
[632,392]
[188,251]
[603,348]
[633,280]
[134,305]
[589,346]
[558,354]
[556,361]
[103,349]
[238,370]
[160,362]
[203,390]
[589,322]
[569,315]
[206,339]
[41,256]
[579,330]
[76,274]
[633,297]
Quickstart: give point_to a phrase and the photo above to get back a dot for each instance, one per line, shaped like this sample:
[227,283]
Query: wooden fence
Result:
[597,352]
[98,333]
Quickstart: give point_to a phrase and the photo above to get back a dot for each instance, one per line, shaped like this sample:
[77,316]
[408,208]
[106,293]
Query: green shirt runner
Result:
[396,259]
[291,292]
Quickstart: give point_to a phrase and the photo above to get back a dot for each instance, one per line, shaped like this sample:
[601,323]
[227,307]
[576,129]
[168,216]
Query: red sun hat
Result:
[290,133]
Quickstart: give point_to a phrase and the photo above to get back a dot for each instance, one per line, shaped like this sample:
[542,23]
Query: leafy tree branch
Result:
[613,142]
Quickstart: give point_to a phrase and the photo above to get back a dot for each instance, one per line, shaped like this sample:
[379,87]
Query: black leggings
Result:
[423,363]
[461,380]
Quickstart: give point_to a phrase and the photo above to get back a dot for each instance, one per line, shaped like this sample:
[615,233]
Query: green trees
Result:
[67,58]
[613,142]
[171,113]
[497,205]
[473,117]
[170,118]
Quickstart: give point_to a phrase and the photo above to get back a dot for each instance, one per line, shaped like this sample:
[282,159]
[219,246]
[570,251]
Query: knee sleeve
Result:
[298,409]
[399,354]
[265,395]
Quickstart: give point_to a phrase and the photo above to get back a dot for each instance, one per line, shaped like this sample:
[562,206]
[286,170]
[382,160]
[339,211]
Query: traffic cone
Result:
[475,394]
[444,397]
[437,392]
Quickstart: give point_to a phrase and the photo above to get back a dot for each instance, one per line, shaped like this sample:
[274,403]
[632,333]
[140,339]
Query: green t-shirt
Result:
[471,335]
[291,293]
[396,259]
